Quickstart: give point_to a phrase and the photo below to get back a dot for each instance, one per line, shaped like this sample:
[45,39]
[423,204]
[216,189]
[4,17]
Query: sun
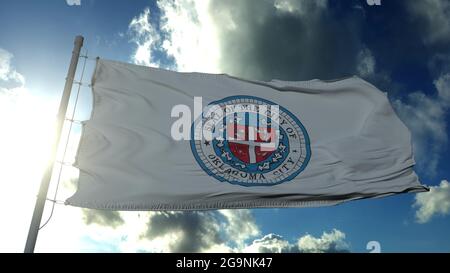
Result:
[26,136]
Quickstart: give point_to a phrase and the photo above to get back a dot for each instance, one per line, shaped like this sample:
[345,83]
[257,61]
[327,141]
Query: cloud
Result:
[270,243]
[198,231]
[434,19]
[10,79]
[184,38]
[299,7]
[285,39]
[443,87]
[102,217]
[425,116]
[193,231]
[434,202]
[73,2]
[240,225]
[331,242]
[145,37]
[366,63]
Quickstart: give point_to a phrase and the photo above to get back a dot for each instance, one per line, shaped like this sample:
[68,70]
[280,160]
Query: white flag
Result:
[150,146]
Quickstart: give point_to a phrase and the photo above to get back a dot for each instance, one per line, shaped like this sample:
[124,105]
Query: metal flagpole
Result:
[42,195]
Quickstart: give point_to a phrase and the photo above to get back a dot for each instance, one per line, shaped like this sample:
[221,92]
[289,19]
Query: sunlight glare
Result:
[27,131]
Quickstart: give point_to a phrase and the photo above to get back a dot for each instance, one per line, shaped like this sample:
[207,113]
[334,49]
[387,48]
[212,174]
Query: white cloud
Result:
[270,243]
[426,120]
[10,79]
[333,241]
[443,86]
[145,37]
[366,63]
[189,36]
[240,225]
[73,2]
[434,202]
[425,116]
[434,16]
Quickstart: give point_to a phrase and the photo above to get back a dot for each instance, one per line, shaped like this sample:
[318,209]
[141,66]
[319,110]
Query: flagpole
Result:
[45,182]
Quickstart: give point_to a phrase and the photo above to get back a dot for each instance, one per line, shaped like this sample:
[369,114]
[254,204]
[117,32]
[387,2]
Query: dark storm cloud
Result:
[302,40]
[102,217]
[199,230]
[228,230]
[287,39]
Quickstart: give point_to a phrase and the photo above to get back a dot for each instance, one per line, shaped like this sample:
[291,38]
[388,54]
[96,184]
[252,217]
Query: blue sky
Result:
[402,47]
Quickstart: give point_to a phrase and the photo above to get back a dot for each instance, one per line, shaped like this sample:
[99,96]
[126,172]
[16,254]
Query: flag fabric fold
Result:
[337,141]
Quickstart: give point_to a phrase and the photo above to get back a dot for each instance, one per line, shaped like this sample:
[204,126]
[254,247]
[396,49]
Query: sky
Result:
[402,47]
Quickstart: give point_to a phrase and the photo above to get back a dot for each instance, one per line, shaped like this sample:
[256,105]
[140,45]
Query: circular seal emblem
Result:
[250,141]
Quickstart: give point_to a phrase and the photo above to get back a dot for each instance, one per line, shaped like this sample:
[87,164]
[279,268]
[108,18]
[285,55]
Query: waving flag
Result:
[149,146]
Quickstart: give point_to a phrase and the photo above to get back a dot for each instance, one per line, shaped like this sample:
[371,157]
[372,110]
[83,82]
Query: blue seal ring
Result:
[218,160]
